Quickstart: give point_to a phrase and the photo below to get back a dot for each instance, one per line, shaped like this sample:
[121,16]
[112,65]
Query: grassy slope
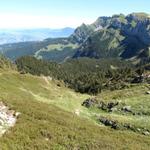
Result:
[46,121]
[57,52]
[58,47]
[135,97]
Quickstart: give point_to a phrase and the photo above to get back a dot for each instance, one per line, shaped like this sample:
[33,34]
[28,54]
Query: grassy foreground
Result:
[48,119]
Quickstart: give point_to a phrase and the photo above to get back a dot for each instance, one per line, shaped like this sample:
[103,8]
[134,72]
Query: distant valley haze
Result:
[39,34]
[35,20]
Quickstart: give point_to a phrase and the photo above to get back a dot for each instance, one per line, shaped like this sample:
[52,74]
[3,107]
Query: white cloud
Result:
[26,21]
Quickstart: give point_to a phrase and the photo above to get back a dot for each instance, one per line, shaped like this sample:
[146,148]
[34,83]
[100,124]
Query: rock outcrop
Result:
[8,118]
[89,102]
[116,36]
[114,124]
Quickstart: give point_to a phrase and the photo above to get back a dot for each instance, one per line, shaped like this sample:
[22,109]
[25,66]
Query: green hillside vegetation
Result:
[141,15]
[122,18]
[17,50]
[52,116]
[57,52]
[57,49]
[5,64]
[88,91]
[138,101]
[83,75]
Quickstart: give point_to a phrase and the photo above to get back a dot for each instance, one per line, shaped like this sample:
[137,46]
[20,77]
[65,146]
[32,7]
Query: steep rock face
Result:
[82,33]
[126,36]
[135,24]
[142,30]
[101,44]
[101,22]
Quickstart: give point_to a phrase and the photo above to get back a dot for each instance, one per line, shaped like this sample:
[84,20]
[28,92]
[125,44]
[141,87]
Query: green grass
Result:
[61,46]
[56,47]
[133,24]
[141,15]
[135,97]
[48,121]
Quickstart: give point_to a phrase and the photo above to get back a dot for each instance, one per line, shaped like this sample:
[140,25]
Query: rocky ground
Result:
[8,118]
[121,114]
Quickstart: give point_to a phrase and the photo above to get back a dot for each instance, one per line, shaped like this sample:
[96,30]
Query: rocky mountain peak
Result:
[138,16]
[125,36]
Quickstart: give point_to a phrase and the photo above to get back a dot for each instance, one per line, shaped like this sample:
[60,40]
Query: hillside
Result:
[101,44]
[5,64]
[75,76]
[116,36]
[50,49]
[52,116]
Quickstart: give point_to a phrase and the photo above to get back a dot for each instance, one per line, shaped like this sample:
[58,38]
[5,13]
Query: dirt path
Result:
[47,79]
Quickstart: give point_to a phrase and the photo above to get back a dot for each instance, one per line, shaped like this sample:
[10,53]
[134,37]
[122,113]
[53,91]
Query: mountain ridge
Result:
[119,36]
[134,28]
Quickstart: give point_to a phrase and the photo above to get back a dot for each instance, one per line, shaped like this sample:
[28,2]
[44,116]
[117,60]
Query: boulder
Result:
[148,92]
[128,126]
[108,122]
[139,79]
[102,105]
[138,129]
[126,109]
[146,133]
[112,105]
[114,109]
[89,102]
[108,106]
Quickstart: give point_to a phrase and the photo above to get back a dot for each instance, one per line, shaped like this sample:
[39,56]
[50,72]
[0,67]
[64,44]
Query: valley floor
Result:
[52,116]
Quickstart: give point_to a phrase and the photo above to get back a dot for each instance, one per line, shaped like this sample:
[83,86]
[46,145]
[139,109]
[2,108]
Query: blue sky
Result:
[61,13]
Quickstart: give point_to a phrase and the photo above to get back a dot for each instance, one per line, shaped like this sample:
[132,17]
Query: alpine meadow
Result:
[74,75]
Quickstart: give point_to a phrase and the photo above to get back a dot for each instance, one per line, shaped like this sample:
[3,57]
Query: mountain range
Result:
[119,36]
[116,36]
